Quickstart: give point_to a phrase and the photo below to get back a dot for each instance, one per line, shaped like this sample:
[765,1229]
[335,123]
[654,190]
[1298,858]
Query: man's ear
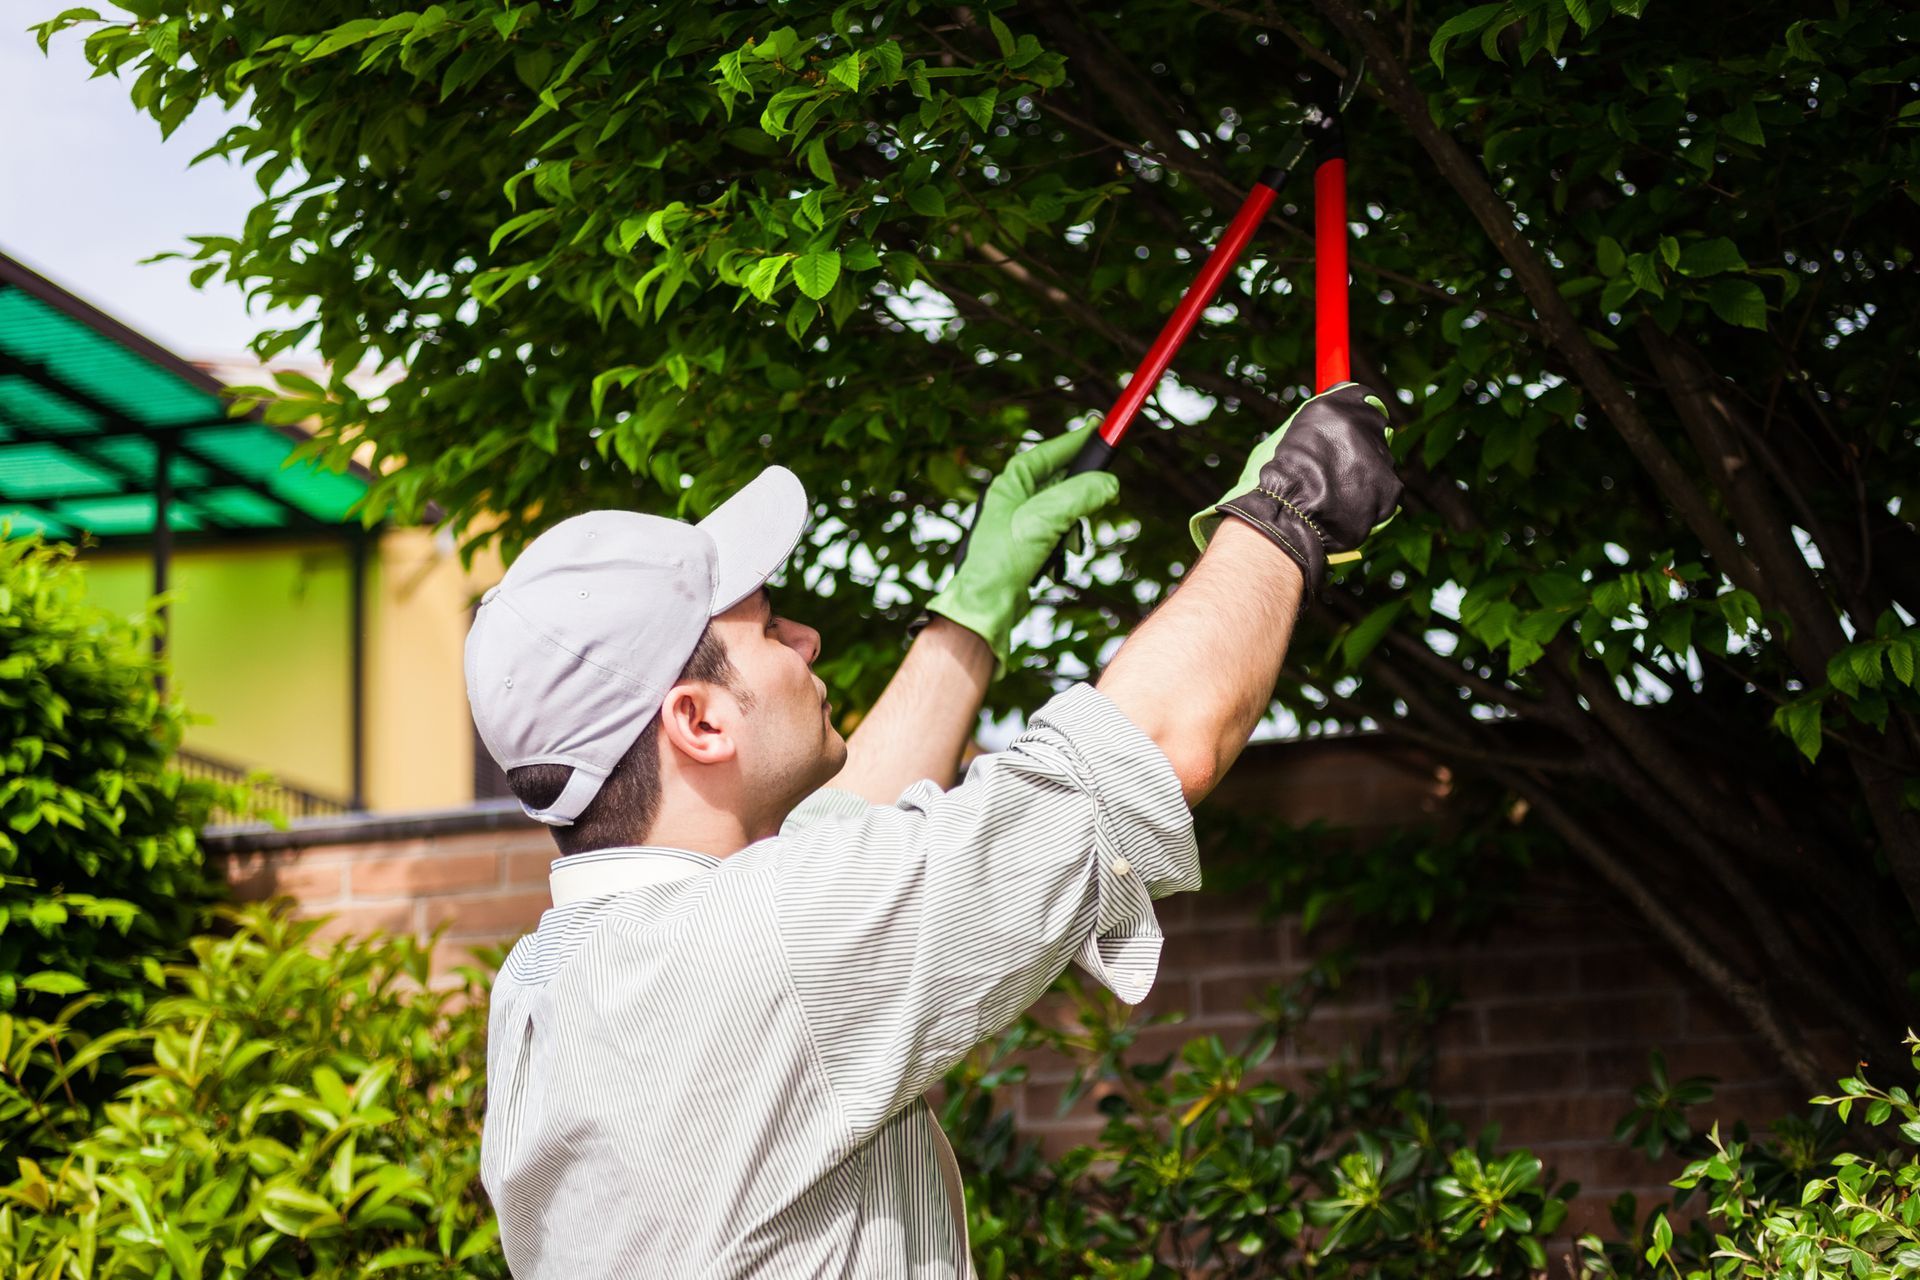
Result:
[700,722]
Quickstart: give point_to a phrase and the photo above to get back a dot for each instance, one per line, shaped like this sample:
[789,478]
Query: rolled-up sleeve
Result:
[914,932]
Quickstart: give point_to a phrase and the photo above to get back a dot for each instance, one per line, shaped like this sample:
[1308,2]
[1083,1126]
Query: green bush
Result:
[1833,1194]
[101,873]
[1207,1166]
[303,1114]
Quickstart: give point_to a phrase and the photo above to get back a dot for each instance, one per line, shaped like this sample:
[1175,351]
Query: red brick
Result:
[529,868]
[1228,994]
[491,842]
[430,873]
[1239,948]
[1587,1215]
[1727,1061]
[1708,1015]
[1619,1167]
[1214,911]
[1642,1019]
[1173,994]
[300,876]
[1501,1073]
[1461,1028]
[493,915]
[1632,968]
[385,917]
[1758,1104]
[1040,1102]
[1327,1035]
[1569,1164]
[1527,1121]
[1063,1136]
[1175,914]
[1151,1044]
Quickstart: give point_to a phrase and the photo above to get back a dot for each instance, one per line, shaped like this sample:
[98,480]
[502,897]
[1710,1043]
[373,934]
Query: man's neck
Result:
[710,831]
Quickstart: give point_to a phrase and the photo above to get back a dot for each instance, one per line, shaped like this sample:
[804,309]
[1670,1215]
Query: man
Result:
[709,1059]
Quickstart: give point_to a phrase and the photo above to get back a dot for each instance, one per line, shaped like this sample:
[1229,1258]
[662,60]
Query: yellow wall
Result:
[420,732]
[260,653]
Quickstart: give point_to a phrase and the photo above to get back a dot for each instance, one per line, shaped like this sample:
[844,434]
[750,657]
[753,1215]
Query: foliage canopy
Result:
[1639,275]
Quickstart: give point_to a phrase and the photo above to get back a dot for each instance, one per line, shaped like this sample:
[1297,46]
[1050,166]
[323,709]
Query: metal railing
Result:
[270,795]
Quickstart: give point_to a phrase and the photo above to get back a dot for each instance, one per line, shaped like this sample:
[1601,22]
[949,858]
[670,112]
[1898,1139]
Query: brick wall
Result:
[480,875]
[1556,1008]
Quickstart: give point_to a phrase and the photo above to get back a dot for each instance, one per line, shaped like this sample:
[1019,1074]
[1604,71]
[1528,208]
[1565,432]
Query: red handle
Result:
[1331,363]
[1198,296]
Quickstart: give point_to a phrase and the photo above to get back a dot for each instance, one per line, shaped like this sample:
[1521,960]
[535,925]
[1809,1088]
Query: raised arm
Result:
[1198,675]
[922,721]
[923,718]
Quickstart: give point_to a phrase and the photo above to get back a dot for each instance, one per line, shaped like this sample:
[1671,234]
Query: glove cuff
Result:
[1288,528]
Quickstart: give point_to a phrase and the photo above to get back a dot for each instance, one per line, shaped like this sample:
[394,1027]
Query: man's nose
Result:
[804,639]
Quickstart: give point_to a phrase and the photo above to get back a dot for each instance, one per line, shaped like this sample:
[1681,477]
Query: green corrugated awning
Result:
[88,408]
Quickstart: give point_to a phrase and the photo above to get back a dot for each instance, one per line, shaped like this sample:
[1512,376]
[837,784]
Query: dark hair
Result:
[629,800]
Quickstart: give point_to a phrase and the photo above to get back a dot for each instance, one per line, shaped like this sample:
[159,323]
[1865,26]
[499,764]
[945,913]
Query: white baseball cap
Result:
[570,656]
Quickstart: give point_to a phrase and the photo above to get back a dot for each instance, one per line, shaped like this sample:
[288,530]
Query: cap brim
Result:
[754,532]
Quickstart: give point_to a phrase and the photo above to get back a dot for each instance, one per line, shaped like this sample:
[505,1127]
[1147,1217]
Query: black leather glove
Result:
[1320,485]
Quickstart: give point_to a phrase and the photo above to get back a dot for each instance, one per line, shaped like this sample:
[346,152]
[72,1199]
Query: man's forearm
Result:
[923,719]
[1198,675]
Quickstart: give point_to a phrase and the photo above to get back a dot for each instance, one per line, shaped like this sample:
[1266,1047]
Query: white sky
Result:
[88,189]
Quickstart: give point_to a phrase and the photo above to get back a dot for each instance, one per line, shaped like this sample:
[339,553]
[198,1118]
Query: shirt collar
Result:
[595,874]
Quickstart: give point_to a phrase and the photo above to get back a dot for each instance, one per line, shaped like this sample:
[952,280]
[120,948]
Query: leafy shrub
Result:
[1833,1194]
[303,1115]
[101,875]
[1206,1165]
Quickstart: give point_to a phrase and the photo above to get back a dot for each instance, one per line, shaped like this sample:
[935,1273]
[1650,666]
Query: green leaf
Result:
[54,982]
[1743,125]
[347,33]
[1582,14]
[1738,302]
[817,162]
[401,1256]
[1711,257]
[846,71]
[1800,721]
[1362,638]
[1458,26]
[519,225]
[1900,657]
[927,202]
[1609,256]
[1662,1240]
[979,108]
[1001,36]
[816,273]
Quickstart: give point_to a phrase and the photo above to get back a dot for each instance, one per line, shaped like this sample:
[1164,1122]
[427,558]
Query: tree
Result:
[1641,284]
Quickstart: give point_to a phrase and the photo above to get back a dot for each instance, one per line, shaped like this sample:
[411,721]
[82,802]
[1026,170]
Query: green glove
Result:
[1015,529]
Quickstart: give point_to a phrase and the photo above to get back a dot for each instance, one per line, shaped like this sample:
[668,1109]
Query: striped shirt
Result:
[713,1068]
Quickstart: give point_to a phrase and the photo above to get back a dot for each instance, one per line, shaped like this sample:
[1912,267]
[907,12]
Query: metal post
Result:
[162,543]
[357,541]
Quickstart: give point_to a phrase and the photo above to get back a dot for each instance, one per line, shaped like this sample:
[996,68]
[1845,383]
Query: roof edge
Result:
[73,306]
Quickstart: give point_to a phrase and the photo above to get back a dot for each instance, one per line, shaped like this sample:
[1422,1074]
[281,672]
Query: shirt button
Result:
[1120,867]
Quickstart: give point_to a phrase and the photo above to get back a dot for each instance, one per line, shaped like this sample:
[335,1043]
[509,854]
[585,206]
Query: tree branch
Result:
[1561,327]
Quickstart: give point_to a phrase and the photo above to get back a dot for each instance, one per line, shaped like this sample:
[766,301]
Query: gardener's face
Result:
[789,748]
